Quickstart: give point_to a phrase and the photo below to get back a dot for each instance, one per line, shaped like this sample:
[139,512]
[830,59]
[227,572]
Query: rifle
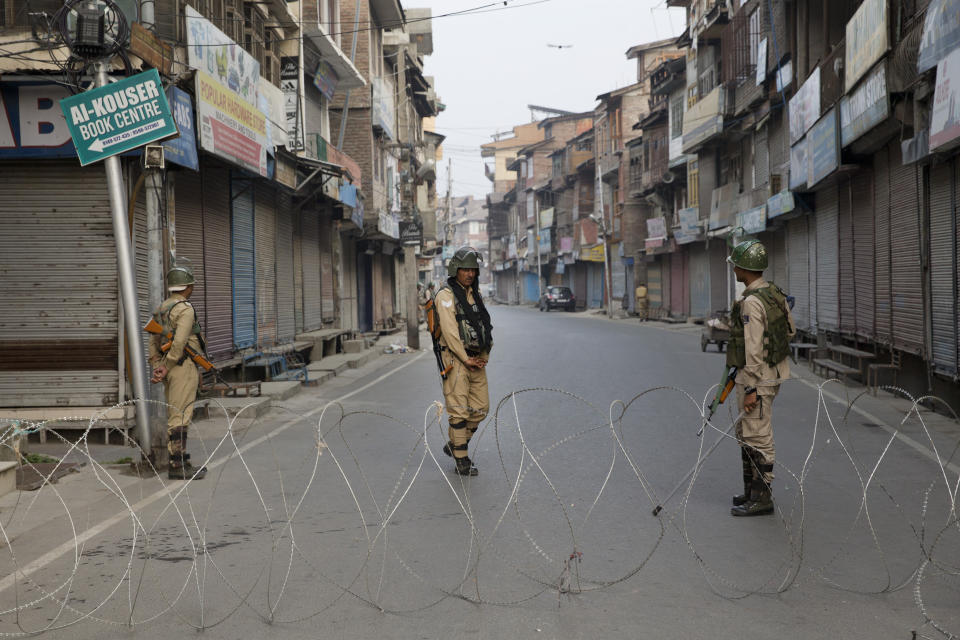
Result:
[727,383]
[433,326]
[156,328]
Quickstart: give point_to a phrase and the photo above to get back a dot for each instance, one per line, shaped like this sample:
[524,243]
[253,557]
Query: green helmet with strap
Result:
[179,278]
[750,255]
[464,258]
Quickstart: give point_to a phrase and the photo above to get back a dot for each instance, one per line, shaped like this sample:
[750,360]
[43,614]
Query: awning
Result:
[348,77]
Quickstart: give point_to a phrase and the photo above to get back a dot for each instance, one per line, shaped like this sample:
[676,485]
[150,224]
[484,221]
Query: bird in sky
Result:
[559,46]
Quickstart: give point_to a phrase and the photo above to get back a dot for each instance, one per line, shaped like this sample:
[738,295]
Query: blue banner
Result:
[182,150]
[31,122]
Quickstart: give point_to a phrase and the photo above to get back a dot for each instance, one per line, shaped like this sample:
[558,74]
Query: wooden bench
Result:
[806,347]
[842,370]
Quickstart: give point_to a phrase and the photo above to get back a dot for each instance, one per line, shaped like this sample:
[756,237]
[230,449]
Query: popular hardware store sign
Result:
[119,117]
[231,127]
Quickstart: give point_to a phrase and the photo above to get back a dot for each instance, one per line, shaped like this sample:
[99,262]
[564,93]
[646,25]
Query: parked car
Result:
[555,297]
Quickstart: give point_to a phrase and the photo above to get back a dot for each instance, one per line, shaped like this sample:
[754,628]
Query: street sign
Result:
[120,116]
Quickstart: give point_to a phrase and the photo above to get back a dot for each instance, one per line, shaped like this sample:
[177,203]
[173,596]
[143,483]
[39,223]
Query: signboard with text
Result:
[945,115]
[119,117]
[866,40]
[941,33]
[182,150]
[230,127]
[804,106]
[823,152]
[866,107]
[753,220]
[31,122]
[798,164]
[290,86]
[325,79]
[223,60]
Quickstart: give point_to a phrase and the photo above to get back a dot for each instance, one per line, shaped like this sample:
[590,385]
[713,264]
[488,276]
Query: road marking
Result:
[902,437]
[81,538]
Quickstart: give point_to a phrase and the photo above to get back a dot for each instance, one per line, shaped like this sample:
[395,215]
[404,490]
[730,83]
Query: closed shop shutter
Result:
[310,252]
[881,195]
[679,284]
[798,271]
[619,276]
[943,267]
[188,227]
[328,303]
[286,307]
[828,260]
[142,268]
[719,276]
[244,269]
[778,262]
[699,281]
[265,222]
[906,276]
[595,284]
[631,284]
[218,295]
[862,254]
[654,284]
[845,292]
[58,281]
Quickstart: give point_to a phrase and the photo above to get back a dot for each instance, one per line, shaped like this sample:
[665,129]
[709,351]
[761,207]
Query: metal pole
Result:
[536,211]
[155,279]
[128,285]
[606,248]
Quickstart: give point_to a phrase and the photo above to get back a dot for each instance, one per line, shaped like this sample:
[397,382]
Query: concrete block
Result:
[353,346]
[251,407]
[320,376]
[280,390]
[335,364]
[8,477]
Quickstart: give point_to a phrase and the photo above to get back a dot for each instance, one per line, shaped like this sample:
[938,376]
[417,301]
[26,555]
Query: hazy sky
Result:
[489,66]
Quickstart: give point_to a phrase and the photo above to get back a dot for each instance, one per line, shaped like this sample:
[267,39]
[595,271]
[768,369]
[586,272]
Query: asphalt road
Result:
[341,524]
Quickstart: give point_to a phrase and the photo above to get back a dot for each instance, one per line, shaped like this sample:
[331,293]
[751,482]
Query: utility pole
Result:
[603,232]
[446,216]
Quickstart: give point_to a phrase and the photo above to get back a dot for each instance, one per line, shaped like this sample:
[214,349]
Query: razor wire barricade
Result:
[172,551]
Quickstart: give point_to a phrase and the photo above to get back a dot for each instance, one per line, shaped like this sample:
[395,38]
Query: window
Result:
[676,117]
[693,183]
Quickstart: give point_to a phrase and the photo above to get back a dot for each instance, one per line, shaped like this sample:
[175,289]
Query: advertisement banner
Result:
[325,79]
[230,127]
[761,62]
[805,106]
[945,115]
[546,218]
[941,33]
[566,244]
[656,228]
[271,104]
[823,152]
[689,229]
[382,111]
[223,60]
[866,40]
[388,224]
[183,149]
[753,220]
[592,254]
[780,203]
[32,124]
[290,86]
[545,243]
[866,107]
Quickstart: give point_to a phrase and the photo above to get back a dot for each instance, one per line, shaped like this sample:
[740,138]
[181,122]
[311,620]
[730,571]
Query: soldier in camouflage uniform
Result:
[177,371]
[760,331]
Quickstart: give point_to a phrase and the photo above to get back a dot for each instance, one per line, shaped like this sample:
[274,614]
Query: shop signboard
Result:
[945,115]
[823,151]
[656,228]
[592,254]
[286,171]
[223,60]
[325,79]
[546,218]
[761,62]
[410,233]
[230,127]
[866,107]
[290,87]
[32,125]
[805,106]
[118,117]
[866,40]
[780,203]
[545,243]
[182,150]
[689,229]
[566,244]
[383,111]
[271,102]
[753,220]
[941,33]
[798,164]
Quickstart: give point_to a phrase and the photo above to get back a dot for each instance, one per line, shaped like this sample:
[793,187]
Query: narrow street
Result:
[368,534]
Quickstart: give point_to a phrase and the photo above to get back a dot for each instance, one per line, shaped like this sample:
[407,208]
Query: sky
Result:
[490,64]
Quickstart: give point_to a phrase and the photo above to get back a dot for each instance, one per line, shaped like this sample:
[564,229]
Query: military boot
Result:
[744,497]
[448,448]
[181,469]
[465,467]
[760,503]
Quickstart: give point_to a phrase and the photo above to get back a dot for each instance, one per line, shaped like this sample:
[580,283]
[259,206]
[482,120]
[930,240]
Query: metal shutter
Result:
[798,271]
[218,294]
[699,281]
[678,283]
[778,267]
[618,274]
[327,302]
[58,281]
[286,306]
[188,225]
[862,224]
[140,254]
[881,195]
[719,276]
[907,290]
[847,288]
[828,260]
[310,252]
[265,223]
[654,285]
[943,268]
[243,260]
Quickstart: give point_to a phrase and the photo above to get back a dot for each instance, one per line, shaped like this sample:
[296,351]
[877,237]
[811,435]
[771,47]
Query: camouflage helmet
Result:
[179,278]
[750,255]
[464,258]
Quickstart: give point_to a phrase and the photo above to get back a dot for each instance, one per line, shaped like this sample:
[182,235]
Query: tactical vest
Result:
[163,317]
[776,335]
[472,341]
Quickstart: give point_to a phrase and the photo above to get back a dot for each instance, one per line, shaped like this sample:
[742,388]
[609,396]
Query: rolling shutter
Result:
[828,257]
[286,306]
[218,293]
[188,226]
[881,195]
[862,222]
[798,271]
[243,254]
[943,268]
[327,302]
[907,286]
[654,285]
[846,296]
[699,281]
[265,222]
[310,252]
[58,280]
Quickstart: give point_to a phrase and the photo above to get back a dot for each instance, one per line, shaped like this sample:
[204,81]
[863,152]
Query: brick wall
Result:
[358,144]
